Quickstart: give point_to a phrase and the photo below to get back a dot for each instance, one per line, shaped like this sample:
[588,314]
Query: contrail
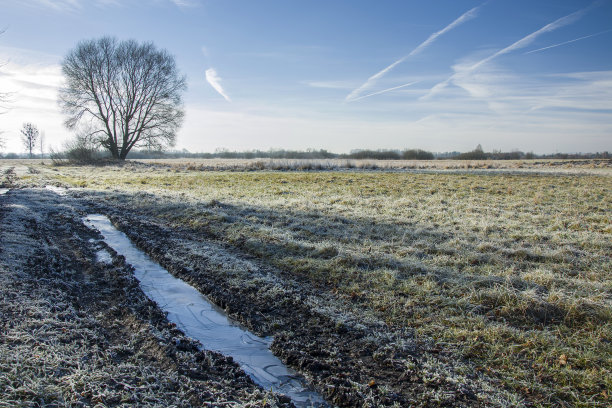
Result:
[523,42]
[385,90]
[567,42]
[213,79]
[468,15]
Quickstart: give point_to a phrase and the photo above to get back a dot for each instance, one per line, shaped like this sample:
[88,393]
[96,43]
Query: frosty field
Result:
[480,285]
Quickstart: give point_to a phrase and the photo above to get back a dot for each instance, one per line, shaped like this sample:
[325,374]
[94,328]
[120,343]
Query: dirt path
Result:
[77,332]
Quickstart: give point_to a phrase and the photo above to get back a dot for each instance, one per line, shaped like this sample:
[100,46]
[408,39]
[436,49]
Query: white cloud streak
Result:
[385,91]
[185,3]
[59,5]
[468,15]
[32,82]
[77,5]
[215,81]
[522,43]
[568,42]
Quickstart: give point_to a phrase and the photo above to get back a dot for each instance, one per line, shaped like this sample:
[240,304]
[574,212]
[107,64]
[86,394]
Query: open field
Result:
[587,166]
[445,287]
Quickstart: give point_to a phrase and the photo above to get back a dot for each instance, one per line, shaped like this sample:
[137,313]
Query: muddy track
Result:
[77,332]
[349,357]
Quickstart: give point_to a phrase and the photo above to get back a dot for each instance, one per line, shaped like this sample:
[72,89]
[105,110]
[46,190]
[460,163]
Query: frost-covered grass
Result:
[77,333]
[585,166]
[510,271]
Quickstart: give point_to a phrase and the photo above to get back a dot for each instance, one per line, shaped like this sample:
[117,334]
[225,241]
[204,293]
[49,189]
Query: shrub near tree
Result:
[129,94]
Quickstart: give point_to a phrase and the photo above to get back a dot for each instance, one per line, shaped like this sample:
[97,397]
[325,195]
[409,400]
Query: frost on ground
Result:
[77,332]
[351,356]
[446,288]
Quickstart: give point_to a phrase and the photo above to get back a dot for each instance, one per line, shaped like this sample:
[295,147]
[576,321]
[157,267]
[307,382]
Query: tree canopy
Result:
[129,94]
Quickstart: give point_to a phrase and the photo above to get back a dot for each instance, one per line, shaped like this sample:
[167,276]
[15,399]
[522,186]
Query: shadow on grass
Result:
[339,254]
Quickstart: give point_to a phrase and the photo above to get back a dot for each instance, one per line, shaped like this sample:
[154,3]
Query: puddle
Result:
[57,190]
[203,321]
[3,191]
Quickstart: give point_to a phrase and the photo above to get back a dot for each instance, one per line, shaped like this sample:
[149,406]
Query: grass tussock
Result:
[509,271]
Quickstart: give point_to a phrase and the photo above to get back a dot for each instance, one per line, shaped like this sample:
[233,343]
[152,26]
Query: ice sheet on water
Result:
[201,320]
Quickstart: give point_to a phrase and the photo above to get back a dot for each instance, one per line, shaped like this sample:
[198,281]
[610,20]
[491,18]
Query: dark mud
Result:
[78,332]
[349,357]
[201,320]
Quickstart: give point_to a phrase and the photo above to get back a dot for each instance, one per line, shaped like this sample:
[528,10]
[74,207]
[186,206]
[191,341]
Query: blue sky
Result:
[439,75]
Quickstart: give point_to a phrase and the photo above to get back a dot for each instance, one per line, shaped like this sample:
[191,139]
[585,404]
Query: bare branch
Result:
[29,136]
[130,91]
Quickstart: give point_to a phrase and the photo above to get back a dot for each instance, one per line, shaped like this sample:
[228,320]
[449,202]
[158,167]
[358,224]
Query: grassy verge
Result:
[509,271]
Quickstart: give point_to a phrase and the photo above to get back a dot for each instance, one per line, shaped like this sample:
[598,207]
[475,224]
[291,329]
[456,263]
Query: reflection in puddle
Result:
[201,320]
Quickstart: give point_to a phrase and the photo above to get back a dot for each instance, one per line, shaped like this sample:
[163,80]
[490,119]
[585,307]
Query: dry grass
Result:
[587,166]
[511,271]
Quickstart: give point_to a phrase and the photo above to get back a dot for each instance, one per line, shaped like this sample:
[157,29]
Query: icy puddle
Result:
[201,320]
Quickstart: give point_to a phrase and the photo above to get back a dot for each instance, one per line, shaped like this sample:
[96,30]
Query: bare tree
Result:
[128,93]
[29,137]
[41,144]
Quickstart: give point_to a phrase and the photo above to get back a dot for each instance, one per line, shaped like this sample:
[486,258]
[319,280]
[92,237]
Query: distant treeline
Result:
[381,154]
[412,154]
[408,154]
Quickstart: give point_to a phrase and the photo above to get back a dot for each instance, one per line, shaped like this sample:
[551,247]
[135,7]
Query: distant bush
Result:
[476,154]
[410,154]
[417,154]
[375,154]
[499,155]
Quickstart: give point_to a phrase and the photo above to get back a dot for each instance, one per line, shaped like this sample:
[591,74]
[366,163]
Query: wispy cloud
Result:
[385,90]
[568,42]
[205,51]
[76,5]
[215,81]
[32,80]
[58,5]
[468,15]
[185,3]
[329,84]
[522,43]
